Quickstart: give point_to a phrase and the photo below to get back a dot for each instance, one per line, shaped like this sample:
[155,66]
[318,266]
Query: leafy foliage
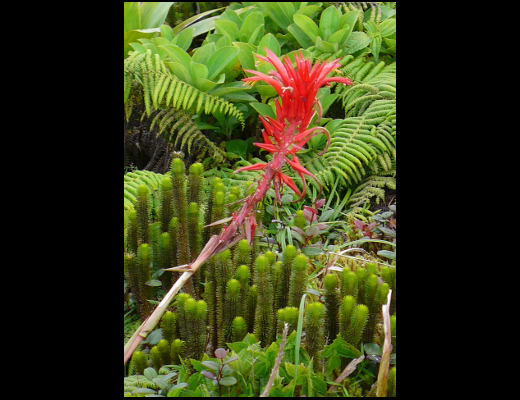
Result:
[183,84]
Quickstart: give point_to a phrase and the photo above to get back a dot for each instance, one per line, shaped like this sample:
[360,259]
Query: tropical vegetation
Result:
[260,217]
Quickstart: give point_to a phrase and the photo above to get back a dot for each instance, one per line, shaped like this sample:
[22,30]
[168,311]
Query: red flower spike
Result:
[271,148]
[256,167]
[289,182]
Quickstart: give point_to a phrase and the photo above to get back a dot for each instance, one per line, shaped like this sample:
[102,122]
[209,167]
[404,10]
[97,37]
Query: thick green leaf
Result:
[281,13]
[349,21]
[134,36]
[227,28]
[132,17]
[153,14]
[184,39]
[253,24]
[309,11]
[245,55]
[180,71]
[339,37]
[221,60]
[264,110]
[178,55]
[204,53]
[301,37]
[167,33]
[192,20]
[330,19]
[326,47]
[308,26]
[270,42]
[199,71]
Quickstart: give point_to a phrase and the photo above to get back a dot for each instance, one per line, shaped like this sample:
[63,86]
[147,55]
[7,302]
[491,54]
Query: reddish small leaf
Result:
[360,225]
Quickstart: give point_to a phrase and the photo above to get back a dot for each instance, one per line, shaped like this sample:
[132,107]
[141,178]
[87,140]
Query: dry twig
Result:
[278,363]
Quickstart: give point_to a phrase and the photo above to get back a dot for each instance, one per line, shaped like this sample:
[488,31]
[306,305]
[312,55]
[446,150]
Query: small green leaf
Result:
[264,110]
[211,365]
[150,374]
[238,147]
[228,381]
[388,254]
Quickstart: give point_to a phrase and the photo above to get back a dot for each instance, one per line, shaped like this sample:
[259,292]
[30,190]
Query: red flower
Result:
[295,109]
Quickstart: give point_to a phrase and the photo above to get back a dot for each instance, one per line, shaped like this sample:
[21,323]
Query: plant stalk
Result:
[382,383]
[214,247]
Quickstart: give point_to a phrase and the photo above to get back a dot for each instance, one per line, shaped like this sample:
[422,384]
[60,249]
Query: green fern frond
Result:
[373,188]
[162,89]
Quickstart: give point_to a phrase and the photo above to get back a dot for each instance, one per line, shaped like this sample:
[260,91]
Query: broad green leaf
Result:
[205,85]
[233,87]
[264,110]
[227,28]
[349,21]
[326,47]
[204,53]
[220,61]
[178,55]
[192,20]
[270,42]
[224,41]
[134,36]
[388,28]
[278,13]
[371,27]
[255,37]
[138,47]
[199,71]
[232,16]
[301,37]
[184,39]
[309,11]
[330,19]
[339,37]
[308,26]
[132,17]
[153,14]
[253,26]
[266,91]
[388,254]
[387,12]
[167,32]
[180,71]
[205,26]
[245,55]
